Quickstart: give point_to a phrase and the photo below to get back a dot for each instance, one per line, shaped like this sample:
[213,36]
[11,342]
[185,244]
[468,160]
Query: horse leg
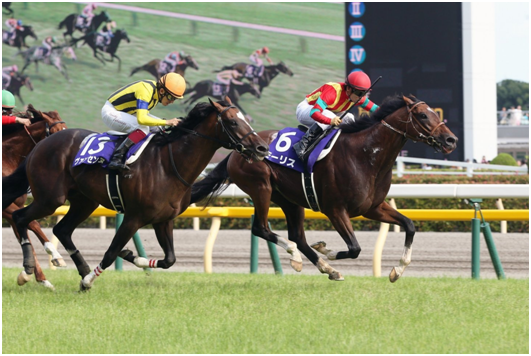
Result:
[385,213]
[341,222]
[295,219]
[127,229]
[164,232]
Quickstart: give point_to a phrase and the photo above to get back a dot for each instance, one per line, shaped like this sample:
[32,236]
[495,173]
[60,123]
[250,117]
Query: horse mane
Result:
[13,128]
[388,106]
[195,117]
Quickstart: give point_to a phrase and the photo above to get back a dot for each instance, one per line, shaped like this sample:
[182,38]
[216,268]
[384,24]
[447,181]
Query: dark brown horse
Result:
[153,67]
[270,72]
[17,82]
[99,50]
[352,180]
[20,37]
[155,190]
[70,23]
[17,142]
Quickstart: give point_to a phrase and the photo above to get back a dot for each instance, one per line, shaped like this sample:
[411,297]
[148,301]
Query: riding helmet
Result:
[8,100]
[174,84]
[265,50]
[358,80]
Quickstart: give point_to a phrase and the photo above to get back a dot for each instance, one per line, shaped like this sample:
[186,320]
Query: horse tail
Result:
[212,184]
[14,185]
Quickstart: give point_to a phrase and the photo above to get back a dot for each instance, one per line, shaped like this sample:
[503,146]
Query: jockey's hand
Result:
[335,121]
[173,122]
[25,122]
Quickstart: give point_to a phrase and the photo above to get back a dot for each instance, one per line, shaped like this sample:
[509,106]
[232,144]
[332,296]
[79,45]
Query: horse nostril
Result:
[263,149]
[452,140]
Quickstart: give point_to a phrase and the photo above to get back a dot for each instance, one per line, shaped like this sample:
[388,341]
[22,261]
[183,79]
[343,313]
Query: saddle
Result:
[252,71]
[220,89]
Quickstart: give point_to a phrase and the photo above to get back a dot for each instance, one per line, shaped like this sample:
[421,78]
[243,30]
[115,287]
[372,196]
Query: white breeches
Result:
[121,121]
[303,115]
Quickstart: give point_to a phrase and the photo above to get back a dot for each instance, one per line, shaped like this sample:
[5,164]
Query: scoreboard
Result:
[417,48]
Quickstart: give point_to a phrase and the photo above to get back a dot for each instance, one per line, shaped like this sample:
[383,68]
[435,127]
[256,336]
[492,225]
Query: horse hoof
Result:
[58,262]
[83,288]
[394,275]
[23,278]
[318,245]
[47,284]
[335,276]
[296,265]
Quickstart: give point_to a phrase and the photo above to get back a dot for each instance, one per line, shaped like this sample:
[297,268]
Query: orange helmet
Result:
[358,80]
[265,50]
[174,84]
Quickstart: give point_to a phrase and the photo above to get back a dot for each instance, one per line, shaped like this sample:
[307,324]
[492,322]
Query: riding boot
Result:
[118,155]
[302,147]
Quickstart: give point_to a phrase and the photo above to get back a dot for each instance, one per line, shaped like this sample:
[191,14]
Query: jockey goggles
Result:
[358,92]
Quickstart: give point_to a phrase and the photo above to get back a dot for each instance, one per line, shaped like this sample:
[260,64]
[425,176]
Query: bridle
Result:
[47,130]
[429,139]
[234,144]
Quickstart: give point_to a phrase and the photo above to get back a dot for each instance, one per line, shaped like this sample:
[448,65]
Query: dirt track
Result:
[434,254]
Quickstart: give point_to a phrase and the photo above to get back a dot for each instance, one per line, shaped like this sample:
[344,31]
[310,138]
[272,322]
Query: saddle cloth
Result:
[252,71]
[219,89]
[281,149]
[98,149]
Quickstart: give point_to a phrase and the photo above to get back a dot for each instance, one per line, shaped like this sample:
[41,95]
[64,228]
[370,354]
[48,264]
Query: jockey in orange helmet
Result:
[320,109]
[255,56]
[127,110]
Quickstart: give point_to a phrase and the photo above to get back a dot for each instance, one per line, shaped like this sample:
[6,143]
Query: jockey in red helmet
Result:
[261,52]
[320,109]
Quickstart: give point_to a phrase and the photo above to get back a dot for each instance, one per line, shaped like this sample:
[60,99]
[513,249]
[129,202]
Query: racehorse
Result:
[159,190]
[7,7]
[270,72]
[34,54]
[98,50]
[352,180]
[70,23]
[17,142]
[18,81]
[205,88]
[20,37]
[153,67]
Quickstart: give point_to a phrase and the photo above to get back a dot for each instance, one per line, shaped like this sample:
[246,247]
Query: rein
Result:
[48,127]
[430,140]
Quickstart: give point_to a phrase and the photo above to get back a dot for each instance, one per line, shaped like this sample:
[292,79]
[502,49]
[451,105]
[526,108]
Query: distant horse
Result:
[92,41]
[70,23]
[270,72]
[205,88]
[7,6]
[20,37]
[155,191]
[154,67]
[34,55]
[18,81]
[17,142]
[352,180]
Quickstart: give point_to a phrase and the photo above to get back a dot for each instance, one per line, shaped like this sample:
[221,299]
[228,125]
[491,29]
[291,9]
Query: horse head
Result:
[122,34]
[53,121]
[251,88]
[28,31]
[24,81]
[426,126]
[283,68]
[191,62]
[239,132]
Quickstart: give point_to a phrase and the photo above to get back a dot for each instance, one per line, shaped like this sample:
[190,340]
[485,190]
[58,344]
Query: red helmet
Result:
[265,50]
[358,80]
[94,6]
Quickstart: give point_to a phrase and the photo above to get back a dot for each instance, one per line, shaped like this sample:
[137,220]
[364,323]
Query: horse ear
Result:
[227,99]
[408,100]
[216,105]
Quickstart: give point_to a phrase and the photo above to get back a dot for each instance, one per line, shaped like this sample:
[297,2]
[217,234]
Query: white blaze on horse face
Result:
[241,117]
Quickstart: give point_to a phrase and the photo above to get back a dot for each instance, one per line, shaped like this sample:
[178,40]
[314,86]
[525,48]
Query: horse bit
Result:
[430,140]
[48,127]
[234,143]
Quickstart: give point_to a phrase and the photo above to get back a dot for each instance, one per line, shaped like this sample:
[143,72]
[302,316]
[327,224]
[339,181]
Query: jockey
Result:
[229,76]
[13,25]
[7,73]
[47,46]
[173,59]
[106,33]
[320,108]
[87,14]
[8,103]
[255,56]
[127,110]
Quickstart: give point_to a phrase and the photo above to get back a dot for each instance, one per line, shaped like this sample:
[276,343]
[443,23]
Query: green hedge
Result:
[439,226]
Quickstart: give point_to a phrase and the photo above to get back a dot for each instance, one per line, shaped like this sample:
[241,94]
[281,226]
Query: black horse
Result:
[70,23]
[20,37]
[153,67]
[159,191]
[94,41]
[205,88]
[270,72]
[18,81]
[7,6]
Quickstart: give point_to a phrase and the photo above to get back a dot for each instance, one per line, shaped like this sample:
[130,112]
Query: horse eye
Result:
[423,116]
[233,123]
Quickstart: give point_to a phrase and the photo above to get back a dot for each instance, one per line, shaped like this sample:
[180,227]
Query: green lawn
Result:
[167,312]
[314,61]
